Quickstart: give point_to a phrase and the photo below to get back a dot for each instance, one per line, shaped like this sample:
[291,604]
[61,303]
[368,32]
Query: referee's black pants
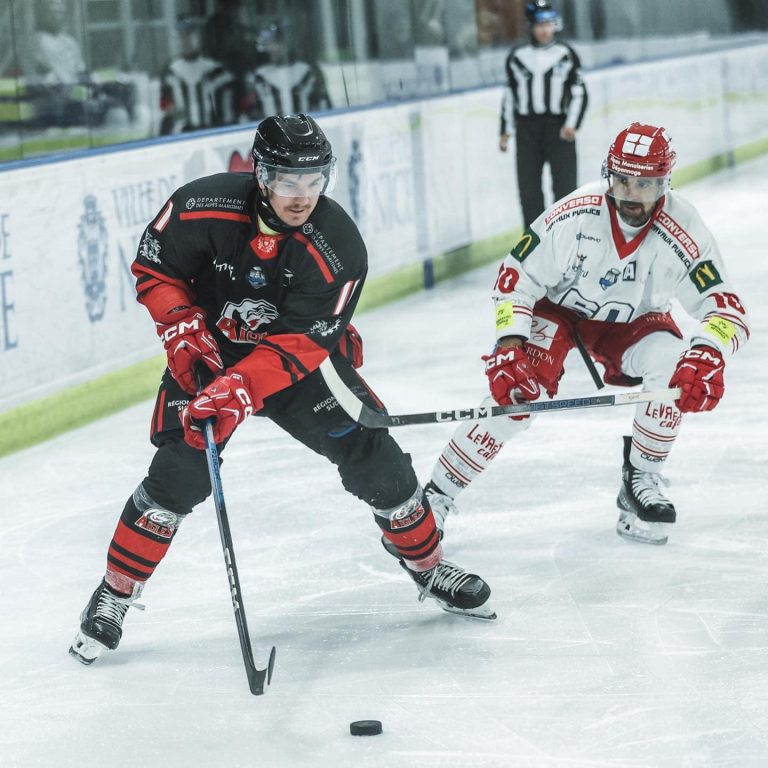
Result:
[537,139]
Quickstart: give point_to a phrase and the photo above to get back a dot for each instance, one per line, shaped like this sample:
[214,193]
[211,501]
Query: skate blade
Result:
[481,612]
[631,527]
[85,649]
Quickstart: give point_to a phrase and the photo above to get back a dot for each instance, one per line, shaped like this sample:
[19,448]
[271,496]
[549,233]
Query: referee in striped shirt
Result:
[547,100]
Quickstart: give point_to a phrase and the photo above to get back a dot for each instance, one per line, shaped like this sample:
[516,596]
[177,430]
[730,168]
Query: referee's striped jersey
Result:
[544,80]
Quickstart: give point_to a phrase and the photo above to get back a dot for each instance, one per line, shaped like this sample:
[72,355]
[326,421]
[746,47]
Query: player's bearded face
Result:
[636,197]
[293,197]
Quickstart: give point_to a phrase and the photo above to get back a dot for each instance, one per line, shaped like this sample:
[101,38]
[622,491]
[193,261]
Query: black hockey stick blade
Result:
[257,678]
[367,417]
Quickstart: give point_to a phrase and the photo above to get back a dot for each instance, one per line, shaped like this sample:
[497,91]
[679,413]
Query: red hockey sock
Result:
[139,543]
[413,532]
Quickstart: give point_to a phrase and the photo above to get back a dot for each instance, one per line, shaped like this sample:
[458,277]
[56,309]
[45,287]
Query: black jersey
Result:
[276,303]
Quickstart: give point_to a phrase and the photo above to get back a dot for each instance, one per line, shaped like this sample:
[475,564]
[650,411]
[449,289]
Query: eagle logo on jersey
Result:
[92,257]
[240,322]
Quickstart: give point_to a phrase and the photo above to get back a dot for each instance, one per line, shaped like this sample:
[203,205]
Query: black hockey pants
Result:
[371,464]
[537,141]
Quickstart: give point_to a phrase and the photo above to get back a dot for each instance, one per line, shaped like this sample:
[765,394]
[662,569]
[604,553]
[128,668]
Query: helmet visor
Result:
[298,182]
[637,189]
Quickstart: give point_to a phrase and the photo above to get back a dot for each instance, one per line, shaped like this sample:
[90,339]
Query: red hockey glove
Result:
[699,374]
[510,376]
[227,401]
[187,342]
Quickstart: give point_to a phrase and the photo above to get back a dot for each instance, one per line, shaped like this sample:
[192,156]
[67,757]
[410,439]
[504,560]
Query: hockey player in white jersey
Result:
[603,264]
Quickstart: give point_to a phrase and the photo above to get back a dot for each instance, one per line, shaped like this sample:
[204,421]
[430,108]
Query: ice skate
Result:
[455,590]
[101,623]
[645,512]
[441,504]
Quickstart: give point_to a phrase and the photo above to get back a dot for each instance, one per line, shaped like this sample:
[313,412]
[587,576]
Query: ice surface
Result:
[605,652]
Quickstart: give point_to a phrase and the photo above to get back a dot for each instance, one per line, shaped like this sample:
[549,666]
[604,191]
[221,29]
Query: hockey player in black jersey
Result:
[256,277]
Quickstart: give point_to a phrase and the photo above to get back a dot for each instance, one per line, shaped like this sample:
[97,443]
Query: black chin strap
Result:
[267,214]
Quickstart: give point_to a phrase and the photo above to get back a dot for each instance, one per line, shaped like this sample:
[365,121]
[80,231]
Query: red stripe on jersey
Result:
[139,270]
[315,254]
[162,300]
[627,247]
[160,222]
[216,215]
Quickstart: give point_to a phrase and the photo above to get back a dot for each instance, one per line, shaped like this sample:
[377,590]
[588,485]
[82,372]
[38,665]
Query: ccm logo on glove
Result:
[188,342]
[510,376]
[699,374]
[226,402]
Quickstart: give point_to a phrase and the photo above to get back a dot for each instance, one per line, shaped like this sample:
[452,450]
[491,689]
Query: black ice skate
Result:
[455,590]
[101,623]
[442,505]
[644,509]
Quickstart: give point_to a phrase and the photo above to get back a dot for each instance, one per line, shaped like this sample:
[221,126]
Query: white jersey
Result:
[580,255]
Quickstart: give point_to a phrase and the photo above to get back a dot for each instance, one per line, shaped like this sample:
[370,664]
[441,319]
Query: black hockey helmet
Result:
[541,12]
[292,144]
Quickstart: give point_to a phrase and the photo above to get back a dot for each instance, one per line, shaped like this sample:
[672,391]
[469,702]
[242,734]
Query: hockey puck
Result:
[365,727]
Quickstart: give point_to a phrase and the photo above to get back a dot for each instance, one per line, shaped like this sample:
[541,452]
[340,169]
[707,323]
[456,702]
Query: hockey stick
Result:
[587,360]
[367,417]
[256,677]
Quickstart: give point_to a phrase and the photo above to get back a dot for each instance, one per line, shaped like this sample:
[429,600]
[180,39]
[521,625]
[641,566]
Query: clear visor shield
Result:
[298,182]
[637,189]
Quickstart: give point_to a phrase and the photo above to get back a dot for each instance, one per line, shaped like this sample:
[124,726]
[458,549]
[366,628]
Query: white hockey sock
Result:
[472,448]
[654,431]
